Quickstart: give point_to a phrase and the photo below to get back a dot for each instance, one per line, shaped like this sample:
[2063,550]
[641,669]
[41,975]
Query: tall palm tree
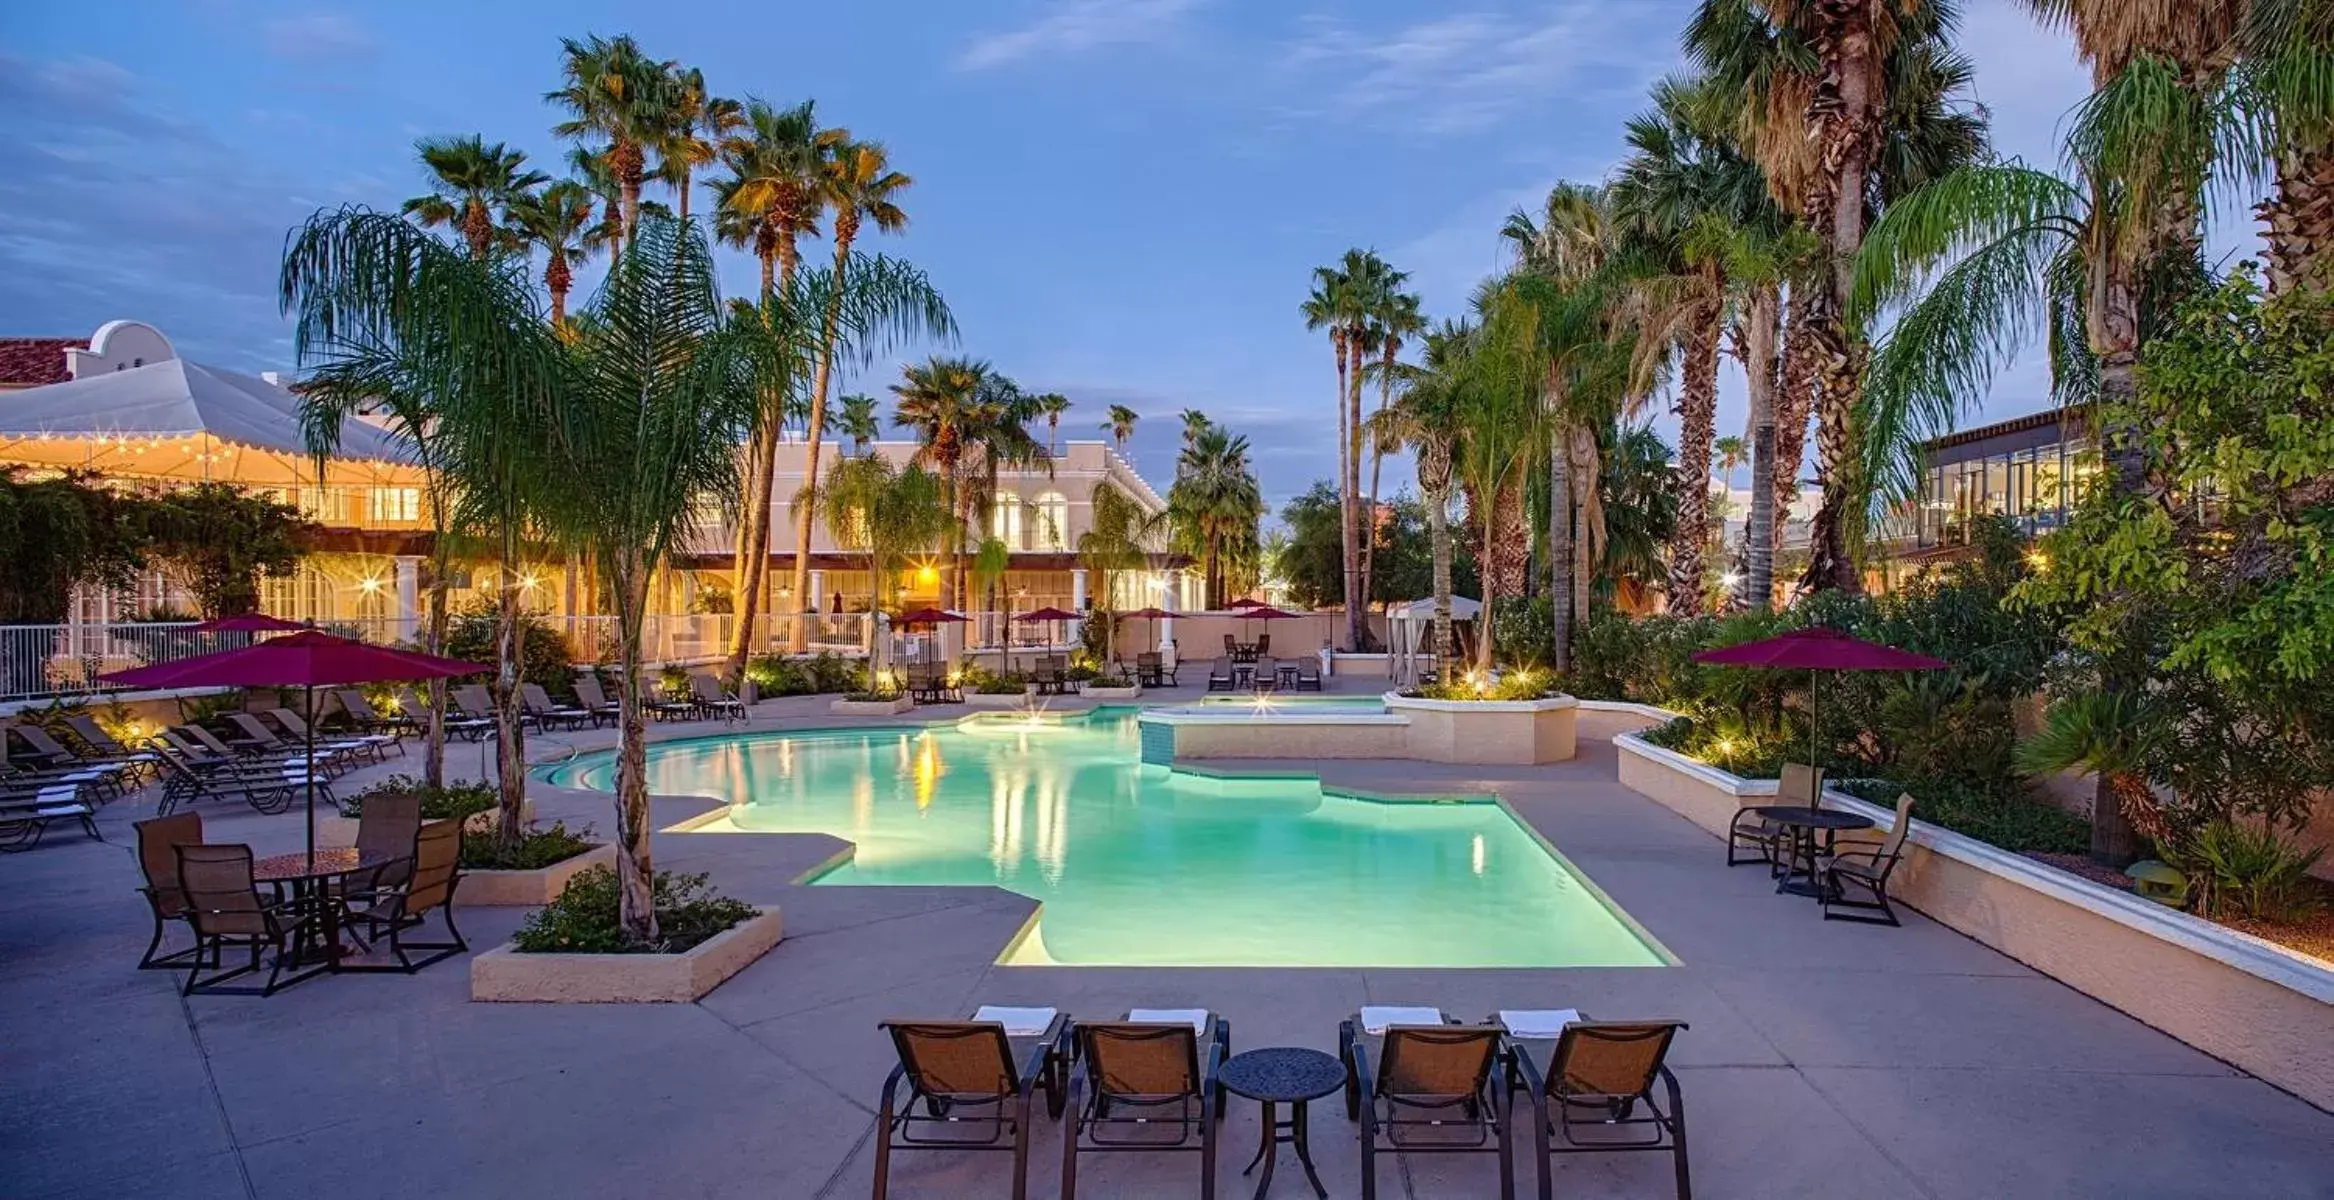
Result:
[697,124]
[2289,57]
[1425,417]
[655,396]
[885,514]
[942,400]
[1214,506]
[1051,406]
[857,184]
[560,221]
[473,188]
[767,203]
[1331,306]
[1195,423]
[1119,537]
[457,343]
[1499,414]
[1121,426]
[858,422]
[619,100]
[1398,318]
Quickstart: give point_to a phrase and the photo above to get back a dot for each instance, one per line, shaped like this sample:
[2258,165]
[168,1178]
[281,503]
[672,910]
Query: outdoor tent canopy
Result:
[1410,633]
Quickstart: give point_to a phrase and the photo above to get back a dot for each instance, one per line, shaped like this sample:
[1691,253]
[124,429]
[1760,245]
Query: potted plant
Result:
[575,950]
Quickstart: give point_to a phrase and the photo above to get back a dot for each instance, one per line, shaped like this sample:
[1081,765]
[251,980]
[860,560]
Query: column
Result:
[817,600]
[408,578]
[1170,600]
[1078,604]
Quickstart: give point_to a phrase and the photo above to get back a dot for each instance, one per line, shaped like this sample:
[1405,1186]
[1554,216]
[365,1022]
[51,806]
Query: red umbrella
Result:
[1247,602]
[1818,649]
[928,616]
[309,659]
[1148,614]
[1048,613]
[249,623]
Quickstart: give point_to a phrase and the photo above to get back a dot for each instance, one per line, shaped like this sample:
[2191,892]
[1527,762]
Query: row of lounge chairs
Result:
[1264,675]
[1416,1082]
[59,781]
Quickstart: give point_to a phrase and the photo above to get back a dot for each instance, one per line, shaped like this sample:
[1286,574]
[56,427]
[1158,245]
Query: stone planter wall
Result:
[1287,735]
[503,974]
[2246,1001]
[1011,701]
[1488,731]
[531,889]
[1111,695]
[871,708]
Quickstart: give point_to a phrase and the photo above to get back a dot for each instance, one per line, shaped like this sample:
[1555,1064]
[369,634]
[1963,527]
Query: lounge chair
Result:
[477,704]
[367,719]
[183,782]
[1220,674]
[434,853]
[370,745]
[456,724]
[974,1091]
[713,702]
[1432,1090]
[1600,1076]
[225,907]
[104,745]
[249,757]
[1800,785]
[593,700]
[158,841]
[663,706]
[1151,1073]
[25,815]
[1308,675]
[537,704]
[121,772]
[331,754]
[1866,871]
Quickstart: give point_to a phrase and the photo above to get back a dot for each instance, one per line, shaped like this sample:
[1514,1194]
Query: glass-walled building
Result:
[2029,469]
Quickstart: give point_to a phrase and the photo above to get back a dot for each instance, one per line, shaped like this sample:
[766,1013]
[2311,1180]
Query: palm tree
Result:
[2289,56]
[883,513]
[620,98]
[1214,506]
[698,124]
[560,221]
[1121,426]
[456,343]
[858,422]
[473,188]
[857,184]
[1499,413]
[1119,537]
[657,395]
[1728,453]
[941,399]
[1195,423]
[1051,405]
[1331,306]
[1397,318]
[1425,416]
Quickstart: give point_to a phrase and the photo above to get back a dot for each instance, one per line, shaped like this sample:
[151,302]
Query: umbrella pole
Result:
[1814,730]
[310,772]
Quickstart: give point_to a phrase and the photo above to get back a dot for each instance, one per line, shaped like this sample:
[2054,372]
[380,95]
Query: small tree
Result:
[224,539]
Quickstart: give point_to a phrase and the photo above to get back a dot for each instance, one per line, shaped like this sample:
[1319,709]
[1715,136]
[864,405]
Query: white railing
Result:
[53,660]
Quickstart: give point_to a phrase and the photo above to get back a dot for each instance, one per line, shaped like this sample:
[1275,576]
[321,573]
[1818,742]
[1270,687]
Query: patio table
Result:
[307,876]
[1805,823]
[1278,1075]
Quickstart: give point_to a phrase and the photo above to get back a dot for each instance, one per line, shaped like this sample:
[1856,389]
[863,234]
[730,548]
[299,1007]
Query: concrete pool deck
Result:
[1823,1058]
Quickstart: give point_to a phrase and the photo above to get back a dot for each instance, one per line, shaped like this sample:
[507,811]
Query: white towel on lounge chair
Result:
[1376,1017]
[1538,1022]
[1018,1022]
[1197,1018]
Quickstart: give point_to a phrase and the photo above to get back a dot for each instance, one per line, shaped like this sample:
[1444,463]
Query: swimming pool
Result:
[1145,866]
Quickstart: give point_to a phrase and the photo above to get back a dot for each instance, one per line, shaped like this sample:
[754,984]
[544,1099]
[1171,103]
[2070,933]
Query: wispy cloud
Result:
[1075,26]
[318,37]
[1462,72]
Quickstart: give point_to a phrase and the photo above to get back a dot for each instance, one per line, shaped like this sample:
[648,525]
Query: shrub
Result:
[543,653]
[1525,635]
[673,682]
[2012,820]
[1515,684]
[453,801]
[2248,867]
[584,920]
[536,849]
[985,682]
[834,673]
[778,675]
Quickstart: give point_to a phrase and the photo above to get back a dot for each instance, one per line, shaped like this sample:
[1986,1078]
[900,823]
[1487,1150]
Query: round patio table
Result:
[1805,823]
[306,875]
[1276,1075]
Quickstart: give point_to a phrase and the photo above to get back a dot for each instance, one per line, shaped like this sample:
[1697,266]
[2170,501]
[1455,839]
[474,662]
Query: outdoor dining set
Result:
[1157,1080]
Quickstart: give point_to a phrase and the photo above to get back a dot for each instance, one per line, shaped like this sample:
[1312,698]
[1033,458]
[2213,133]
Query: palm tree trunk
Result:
[625,160]
[510,750]
[1369,548]
[1357,600]
[1697,428]
[1844,109]
[2299,215]
[799,639]
[753,532]
[1491,539]
[1794,404]
[1560,541]
[1759,367]
[1346,564]
[634,877]
[1438,535]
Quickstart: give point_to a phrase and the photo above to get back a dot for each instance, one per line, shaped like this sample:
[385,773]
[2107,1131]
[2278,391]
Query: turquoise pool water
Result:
[1144,866]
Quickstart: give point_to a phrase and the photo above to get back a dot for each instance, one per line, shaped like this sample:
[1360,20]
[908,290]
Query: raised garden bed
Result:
[871,708]
[531,888]
[1000,701]
[1488,731]
[506,975]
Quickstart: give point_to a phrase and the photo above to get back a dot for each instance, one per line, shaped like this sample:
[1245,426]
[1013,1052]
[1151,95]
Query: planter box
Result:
[337,830]
[1009,702]
[1488,731]
[532,889]
[2246,1001]
[1112,694]
[504,974]
[871,708]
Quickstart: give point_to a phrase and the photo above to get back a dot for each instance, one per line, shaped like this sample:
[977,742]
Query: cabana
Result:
[1410,634]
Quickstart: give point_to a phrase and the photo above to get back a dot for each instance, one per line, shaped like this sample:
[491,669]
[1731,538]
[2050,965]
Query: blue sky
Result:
[1121,199]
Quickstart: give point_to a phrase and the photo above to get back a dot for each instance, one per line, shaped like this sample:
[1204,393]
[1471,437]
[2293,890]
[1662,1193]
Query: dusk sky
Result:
[1121,199]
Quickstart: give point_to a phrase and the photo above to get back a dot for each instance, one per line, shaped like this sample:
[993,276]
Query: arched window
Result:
[1051,516]
[1005,521]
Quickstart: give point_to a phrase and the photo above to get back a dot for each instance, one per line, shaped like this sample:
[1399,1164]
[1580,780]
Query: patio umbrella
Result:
[251,622]
[1816,650]
[930,616]
[1049,613]
[306,660]
[1148,614]
[1247,602]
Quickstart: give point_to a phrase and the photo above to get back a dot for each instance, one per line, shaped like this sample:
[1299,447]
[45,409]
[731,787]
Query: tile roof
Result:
[32,361]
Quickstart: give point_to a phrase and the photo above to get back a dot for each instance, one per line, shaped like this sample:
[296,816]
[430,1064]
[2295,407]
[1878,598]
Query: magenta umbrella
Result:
[308,660]
[1818,649]
[1148,614]
[251,622]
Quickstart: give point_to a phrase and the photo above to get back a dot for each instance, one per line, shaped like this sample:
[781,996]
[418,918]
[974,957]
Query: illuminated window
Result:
[1052,519]
[396,505]
[1005,522]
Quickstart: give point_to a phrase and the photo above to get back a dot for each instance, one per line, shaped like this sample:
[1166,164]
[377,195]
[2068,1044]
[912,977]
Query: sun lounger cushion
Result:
[1538,1022]
[1375,1017]
[1197,1018]
[1018,1022]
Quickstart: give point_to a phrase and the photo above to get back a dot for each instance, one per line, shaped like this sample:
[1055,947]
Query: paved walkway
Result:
[1824,1059]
